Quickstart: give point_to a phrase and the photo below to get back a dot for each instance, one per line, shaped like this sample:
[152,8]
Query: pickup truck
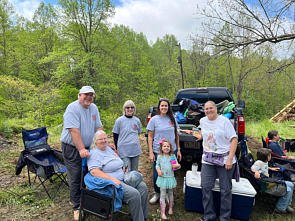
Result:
[191,149]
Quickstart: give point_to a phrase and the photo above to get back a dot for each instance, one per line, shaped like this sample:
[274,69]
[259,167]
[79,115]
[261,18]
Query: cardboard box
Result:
[243,196]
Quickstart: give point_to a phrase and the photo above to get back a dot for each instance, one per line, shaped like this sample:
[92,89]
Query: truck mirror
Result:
[241,104]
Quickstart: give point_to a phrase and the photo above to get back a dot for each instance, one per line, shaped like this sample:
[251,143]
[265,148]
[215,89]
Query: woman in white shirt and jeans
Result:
[219,147]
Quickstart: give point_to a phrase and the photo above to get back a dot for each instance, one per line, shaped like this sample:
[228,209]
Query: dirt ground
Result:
[20,202]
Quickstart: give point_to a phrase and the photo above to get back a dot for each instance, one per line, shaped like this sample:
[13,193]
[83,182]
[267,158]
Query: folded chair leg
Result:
[59,186]
[63,179]
[34,180]
[42,183]
[80,214]
[29,177]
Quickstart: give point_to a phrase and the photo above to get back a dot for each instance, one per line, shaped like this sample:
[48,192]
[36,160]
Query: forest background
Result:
[45,61]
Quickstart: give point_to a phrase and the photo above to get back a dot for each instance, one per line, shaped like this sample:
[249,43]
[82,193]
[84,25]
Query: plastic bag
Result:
[180,117]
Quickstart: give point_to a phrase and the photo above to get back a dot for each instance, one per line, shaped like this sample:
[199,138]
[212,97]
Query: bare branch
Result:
[263,23]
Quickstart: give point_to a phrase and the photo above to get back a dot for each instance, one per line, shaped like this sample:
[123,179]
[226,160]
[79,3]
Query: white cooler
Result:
[243,196]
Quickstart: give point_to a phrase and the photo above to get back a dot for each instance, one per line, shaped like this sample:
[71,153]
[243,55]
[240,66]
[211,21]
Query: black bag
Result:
[277,189]
[193,117]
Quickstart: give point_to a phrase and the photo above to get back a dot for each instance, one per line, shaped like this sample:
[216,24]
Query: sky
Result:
[154,18]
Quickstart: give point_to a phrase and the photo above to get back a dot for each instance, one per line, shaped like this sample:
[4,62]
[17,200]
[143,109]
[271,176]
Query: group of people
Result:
[261,168]
[83,137]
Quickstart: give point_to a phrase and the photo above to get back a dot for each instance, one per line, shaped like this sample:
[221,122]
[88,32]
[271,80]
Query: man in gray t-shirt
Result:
[81,121]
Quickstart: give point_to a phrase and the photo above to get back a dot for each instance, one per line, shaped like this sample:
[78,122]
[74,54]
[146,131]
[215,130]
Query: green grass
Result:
[19,201]
[261,128]
[54,134]
[7,159]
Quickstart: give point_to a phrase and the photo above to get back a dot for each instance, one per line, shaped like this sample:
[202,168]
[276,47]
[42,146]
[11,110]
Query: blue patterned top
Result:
[168,180]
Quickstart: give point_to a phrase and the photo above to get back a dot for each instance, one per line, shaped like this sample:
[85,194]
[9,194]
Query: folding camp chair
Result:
[264,184]
[42,160]
[278,161]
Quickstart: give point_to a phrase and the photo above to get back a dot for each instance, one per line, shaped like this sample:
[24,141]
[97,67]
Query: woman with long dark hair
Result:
[162,125]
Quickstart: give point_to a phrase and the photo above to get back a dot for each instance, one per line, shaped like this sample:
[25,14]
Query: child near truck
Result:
[165,165]
[260,167]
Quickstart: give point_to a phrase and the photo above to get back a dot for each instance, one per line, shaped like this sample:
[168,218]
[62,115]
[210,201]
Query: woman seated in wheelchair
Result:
[105,163]
[260,168]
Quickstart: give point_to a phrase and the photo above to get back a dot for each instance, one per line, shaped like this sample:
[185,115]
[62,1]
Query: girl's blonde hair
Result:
[161,145]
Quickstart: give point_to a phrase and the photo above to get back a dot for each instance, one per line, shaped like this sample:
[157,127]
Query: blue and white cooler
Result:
[243,196]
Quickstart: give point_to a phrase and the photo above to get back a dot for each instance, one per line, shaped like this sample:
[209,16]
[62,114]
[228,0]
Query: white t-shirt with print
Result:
[217,135]
[261,167]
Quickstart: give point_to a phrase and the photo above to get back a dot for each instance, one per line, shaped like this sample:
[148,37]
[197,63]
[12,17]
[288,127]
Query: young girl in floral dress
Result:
[166,181]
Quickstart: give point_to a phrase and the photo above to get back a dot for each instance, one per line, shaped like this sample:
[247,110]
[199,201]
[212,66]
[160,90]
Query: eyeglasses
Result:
[129,107]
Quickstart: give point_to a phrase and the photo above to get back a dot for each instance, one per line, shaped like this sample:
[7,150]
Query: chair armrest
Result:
[58,154]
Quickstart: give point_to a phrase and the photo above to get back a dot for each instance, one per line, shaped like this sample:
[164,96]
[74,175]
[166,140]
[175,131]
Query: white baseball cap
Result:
[86,89]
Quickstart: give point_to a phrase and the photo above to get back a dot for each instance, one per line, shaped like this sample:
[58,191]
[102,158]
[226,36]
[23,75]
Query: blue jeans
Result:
[286,200]
[137,200]
[155,173]
[131,162]
[209,173]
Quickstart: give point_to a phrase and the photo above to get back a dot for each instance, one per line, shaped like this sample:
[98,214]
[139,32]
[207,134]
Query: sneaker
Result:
[76,215]
[280,211]
[155,198]
[290,209]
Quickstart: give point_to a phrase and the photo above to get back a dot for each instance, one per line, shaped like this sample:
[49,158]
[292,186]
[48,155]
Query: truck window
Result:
[219,96]
[202,96]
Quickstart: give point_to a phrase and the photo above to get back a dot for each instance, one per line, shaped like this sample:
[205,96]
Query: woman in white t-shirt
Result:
[162,125]
[219,147]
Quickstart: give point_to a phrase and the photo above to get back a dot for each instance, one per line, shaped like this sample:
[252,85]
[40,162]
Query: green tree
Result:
[6,12]
[81,21]
[44,28]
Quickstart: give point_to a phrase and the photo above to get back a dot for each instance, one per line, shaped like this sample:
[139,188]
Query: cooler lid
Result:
[243,187]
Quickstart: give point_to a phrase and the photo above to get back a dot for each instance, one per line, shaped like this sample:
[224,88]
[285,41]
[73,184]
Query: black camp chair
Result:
[261,185]
[95,203]
[42,160]
[278,161]
[264,183]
